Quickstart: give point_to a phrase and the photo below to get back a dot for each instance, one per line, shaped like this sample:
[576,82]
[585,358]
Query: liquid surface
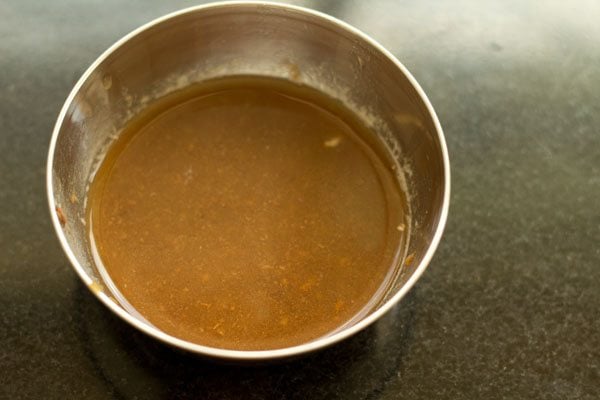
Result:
[247,215]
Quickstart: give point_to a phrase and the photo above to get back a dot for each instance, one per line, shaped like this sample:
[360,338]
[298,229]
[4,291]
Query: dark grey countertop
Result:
[509,307]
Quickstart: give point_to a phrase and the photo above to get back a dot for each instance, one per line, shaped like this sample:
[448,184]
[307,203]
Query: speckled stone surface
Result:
[509,307]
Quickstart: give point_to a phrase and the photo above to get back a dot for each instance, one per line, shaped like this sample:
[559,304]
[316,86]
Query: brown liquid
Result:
[247,213]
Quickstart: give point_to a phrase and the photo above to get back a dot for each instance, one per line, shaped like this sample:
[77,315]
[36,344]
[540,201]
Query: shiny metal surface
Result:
[261,39]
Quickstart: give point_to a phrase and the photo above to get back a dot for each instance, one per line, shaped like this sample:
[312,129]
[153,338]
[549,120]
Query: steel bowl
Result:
[249,38]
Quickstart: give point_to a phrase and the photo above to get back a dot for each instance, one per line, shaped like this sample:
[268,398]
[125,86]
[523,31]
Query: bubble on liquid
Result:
[107,82]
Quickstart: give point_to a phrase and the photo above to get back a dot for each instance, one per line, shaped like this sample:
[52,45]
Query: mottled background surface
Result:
[509,308]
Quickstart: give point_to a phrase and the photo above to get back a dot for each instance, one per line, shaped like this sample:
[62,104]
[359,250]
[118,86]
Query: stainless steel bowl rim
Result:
[253,354]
